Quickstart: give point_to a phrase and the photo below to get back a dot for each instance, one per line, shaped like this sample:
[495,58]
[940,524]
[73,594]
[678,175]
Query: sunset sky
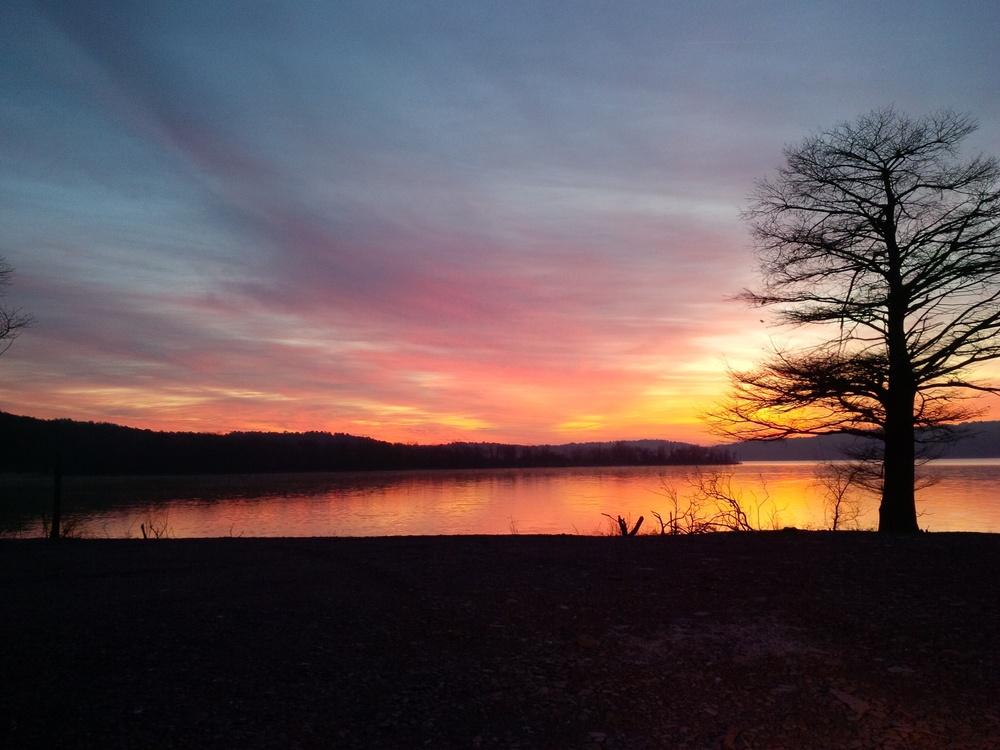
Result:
[422,221]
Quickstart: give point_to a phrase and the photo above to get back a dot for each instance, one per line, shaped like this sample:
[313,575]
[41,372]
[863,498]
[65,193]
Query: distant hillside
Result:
[981,440]
[29,445]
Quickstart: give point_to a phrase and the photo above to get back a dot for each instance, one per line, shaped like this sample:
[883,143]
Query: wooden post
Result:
[54,532]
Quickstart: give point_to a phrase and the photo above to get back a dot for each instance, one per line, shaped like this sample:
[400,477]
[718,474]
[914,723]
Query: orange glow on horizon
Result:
[468,402]
[521,420]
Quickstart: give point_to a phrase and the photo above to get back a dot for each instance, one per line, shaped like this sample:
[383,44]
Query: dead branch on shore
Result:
[623,525]
[715,505]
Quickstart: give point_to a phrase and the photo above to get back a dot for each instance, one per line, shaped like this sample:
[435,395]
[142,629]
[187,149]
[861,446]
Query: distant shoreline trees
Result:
[27,445]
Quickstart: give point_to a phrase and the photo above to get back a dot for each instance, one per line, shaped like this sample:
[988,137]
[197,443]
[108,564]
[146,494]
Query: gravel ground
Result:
[760,640]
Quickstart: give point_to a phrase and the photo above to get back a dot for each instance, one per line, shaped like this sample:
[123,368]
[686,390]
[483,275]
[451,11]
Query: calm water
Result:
[966,497]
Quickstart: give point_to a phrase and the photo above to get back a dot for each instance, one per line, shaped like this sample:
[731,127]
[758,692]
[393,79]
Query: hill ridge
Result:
[29,444]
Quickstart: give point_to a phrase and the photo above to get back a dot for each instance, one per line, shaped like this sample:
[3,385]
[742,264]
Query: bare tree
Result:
[883,247]
[12,320]
[715,505]
[844,483]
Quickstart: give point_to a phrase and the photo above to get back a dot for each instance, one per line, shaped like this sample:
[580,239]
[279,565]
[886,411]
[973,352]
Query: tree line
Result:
[29,445]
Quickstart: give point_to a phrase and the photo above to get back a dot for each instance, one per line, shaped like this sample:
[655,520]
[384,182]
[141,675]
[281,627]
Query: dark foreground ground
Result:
[764,640]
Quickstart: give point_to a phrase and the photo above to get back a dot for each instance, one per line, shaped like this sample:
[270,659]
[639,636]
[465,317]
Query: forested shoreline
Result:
[30,445]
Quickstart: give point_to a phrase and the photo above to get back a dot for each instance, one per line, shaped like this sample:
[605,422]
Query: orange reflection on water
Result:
[534,501]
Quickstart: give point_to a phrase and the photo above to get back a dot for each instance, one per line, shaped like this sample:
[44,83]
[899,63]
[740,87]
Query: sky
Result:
[423,221]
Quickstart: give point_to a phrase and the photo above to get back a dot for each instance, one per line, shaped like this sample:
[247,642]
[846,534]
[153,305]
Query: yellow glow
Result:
[399,415]
[581,424]
[134,397]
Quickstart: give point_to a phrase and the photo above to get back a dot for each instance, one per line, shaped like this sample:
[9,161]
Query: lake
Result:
[965,497]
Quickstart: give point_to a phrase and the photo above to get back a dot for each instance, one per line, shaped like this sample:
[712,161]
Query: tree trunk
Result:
[898,511]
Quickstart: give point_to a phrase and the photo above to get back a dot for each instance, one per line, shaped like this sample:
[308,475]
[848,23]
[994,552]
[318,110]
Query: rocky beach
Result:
[784,639]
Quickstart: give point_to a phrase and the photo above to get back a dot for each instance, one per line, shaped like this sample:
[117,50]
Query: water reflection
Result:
[549,501]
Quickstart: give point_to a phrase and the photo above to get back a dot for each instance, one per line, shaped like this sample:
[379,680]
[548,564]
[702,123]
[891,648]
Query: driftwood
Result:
[623,525]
